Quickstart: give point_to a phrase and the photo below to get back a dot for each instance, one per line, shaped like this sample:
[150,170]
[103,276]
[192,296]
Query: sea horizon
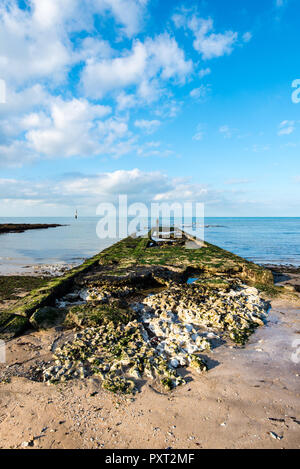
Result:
[264,240]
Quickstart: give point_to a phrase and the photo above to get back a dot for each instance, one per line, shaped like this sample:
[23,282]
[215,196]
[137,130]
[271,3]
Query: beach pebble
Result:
[174,362]
[275,436]
[25,444]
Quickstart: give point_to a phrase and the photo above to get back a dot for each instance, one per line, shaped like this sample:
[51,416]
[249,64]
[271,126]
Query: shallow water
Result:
[191,280]
[262,240]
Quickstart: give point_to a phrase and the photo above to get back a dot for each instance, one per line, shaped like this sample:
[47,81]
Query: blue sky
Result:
[161,100]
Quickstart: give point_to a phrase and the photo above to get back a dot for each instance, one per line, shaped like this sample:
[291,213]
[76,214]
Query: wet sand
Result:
[37,270]
[250,398]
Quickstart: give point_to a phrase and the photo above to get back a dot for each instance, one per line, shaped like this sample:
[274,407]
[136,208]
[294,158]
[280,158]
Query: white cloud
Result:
[35,120]
[206,42]
[204,72]
[286,127]
[185,191]
[112,130]
[90,190]
[260,148]
[215,45]
[280,3]
[35,42]
[91,47]
[15,154]
[71,130]
[199,133]
[129,13]
[247,36]
[153,144]
[126,101]
[40,44]
[226,131]
[138,185]
[85,191]
[146,63]
[289,145]
[154,149]
[149,126]
[107,186]
[166,56]
[286,131]
[100,77]
[198,136]
[179,19]
[19,102]
[201,93]
[169,108]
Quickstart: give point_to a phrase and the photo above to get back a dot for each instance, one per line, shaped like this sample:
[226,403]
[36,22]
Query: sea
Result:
[262,240]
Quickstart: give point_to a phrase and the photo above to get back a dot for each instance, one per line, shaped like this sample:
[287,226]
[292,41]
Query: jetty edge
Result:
[142,253]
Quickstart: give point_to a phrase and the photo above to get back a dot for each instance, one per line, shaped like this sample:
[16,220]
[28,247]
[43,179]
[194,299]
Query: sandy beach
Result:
[149,226]
[249,398]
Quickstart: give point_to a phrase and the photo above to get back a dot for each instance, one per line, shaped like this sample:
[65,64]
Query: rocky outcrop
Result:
[136,315]
[21,227]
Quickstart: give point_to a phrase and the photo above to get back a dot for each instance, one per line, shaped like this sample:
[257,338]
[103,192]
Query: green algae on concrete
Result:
[44,295]
[54,288]
[13,285]
[14,326]
[210,258]
[11,325]
[46,317]
[5,318]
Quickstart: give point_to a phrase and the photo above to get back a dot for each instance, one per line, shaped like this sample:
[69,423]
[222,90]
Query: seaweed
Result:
[89,315]
[12,285]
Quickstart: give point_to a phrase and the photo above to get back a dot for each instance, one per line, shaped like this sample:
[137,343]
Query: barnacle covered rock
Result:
[176,312]
[198,364]
[114,353]
[153,337]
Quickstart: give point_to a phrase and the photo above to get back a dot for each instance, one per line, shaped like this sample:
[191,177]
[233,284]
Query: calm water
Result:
[263,240]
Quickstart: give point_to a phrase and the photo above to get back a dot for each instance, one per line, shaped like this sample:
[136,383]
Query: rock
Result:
[13,326]
[290,288]
[153,337]
[198,364]
[275,436]
[26,444]
[47,317]
[87,315]
[174,362]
